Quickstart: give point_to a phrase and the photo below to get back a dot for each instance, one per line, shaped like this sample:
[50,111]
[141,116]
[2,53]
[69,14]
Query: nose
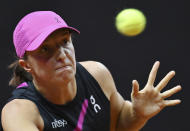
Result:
[61,55]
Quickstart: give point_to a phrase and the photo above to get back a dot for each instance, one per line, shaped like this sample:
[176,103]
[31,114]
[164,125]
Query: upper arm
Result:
[102,76]
[20,115]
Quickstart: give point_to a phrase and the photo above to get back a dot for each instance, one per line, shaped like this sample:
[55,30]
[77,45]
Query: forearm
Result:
[128,120]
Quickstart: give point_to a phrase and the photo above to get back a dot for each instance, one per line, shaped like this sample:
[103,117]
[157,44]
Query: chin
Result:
[66,77]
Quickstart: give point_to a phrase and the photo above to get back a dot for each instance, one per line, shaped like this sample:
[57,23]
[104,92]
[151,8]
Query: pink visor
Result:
[34,28]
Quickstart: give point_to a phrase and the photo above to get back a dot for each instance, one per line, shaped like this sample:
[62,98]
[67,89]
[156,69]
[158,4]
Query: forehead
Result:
[58,34]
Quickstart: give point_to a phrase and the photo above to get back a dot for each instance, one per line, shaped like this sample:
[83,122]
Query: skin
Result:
[54,61]
[57,51]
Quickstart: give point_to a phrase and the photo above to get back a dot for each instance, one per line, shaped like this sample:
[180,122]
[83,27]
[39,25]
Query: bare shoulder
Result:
[95,67]
[21,112]
[20,106]
[102,75]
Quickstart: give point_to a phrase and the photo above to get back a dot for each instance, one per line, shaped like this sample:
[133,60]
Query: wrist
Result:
[137,119]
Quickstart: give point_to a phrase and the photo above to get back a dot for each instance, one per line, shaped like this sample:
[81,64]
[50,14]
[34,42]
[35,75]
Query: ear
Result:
[24,64]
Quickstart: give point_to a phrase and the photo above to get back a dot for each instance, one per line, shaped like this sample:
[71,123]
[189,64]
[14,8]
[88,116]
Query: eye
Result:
[44,49]
[65,42]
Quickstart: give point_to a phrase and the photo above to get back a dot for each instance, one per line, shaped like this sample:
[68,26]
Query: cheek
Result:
[71,54]
[74,59]
[41,70]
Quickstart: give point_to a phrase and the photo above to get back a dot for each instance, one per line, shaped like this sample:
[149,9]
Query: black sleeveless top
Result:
[88,111]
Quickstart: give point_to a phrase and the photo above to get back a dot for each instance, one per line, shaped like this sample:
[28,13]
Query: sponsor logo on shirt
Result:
[59,123]
[93,102]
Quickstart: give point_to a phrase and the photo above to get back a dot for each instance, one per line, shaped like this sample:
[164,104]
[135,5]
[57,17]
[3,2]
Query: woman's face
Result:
[54,61]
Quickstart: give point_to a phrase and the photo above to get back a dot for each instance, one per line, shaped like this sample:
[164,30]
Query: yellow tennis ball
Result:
[130,22]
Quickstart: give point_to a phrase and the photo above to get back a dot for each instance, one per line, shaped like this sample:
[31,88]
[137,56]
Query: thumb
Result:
[135,88]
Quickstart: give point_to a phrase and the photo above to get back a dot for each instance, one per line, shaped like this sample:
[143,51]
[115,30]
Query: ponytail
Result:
[19,74]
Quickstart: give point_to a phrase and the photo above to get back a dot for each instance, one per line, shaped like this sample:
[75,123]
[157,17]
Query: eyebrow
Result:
[66,32]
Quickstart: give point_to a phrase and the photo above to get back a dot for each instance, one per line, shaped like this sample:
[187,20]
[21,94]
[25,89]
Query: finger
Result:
[152,75]
[165,80]
[135,89]
[170,92]
[172,102]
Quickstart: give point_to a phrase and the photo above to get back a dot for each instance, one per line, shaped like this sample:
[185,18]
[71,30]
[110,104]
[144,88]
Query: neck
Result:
[58,94]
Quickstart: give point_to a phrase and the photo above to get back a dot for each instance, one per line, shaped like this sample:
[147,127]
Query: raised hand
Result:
[149,101]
